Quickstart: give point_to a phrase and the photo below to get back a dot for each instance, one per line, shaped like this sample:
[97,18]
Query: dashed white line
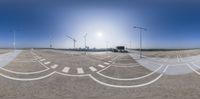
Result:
[42,60]
[54,66]
[93,69]
[46,63]
[80,70]
[66,69]
[101,66]
[106,63]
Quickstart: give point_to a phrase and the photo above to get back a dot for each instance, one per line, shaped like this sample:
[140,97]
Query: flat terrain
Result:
[56,74]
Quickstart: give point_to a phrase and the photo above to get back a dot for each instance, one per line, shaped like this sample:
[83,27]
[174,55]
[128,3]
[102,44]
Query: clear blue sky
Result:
[170,24]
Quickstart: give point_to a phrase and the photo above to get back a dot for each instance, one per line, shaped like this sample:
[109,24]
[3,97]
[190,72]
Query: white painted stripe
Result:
[106,63]
[80,70]
[92,69]
[27,79]
[193,69]
[101,66]
[42,59]
[110,61]
[46,63]
[25,73]
[131,86]
[66,69]
[136,78]
[54,66]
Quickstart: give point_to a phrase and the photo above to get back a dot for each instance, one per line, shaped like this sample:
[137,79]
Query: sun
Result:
[99,34]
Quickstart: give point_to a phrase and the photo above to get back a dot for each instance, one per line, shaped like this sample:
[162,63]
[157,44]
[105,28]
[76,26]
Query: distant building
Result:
[120,49]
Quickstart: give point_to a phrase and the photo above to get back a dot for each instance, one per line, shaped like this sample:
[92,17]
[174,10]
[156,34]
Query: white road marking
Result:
[106,63]
[54,66]
[25,73]
[131,86]
[42,60]
[193,69]
[110,61]
[101,66]
[66,69]
[136,78]
[80,70]
[27,79]
[46,63]
[92,68]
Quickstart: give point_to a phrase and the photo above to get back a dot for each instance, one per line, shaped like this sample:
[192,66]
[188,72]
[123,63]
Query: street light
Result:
[85,39]
[51,40]
[140,28]
[14,43]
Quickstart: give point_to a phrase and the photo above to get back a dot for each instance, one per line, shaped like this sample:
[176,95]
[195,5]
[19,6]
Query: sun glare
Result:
[99,34]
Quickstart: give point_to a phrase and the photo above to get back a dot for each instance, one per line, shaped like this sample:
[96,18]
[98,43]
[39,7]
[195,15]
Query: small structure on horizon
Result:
[121,49]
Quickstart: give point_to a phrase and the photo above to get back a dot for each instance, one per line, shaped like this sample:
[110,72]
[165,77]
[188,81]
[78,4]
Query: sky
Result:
[107,23]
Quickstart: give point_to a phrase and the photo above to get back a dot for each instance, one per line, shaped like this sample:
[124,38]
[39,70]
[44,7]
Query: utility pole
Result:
[85,39]
[141,29]
[51,40]
[14,43]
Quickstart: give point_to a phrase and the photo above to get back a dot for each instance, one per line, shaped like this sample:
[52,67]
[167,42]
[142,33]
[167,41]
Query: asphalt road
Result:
[48,74]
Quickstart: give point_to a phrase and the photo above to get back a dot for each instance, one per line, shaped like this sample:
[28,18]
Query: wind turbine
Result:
[74,40]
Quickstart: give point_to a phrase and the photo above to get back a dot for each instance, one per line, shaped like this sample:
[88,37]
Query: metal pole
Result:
[140,28]
[140,43]
[74,44]
[14,40]
[85,42]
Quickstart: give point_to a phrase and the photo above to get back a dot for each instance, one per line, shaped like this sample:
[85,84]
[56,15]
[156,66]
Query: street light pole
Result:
[85,38]
[14,43]
[140,28]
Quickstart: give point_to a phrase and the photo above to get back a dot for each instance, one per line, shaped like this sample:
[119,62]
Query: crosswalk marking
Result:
[46,63]
[92,69]
[42,59]
[54,66]
[80,70]
[106,63]
[101,66]
[66,69]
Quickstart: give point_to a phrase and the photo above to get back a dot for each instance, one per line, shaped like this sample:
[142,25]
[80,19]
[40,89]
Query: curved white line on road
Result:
[26,73]
[136,78]
[132,86]
[26,79]
[195,65]
[193,69]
